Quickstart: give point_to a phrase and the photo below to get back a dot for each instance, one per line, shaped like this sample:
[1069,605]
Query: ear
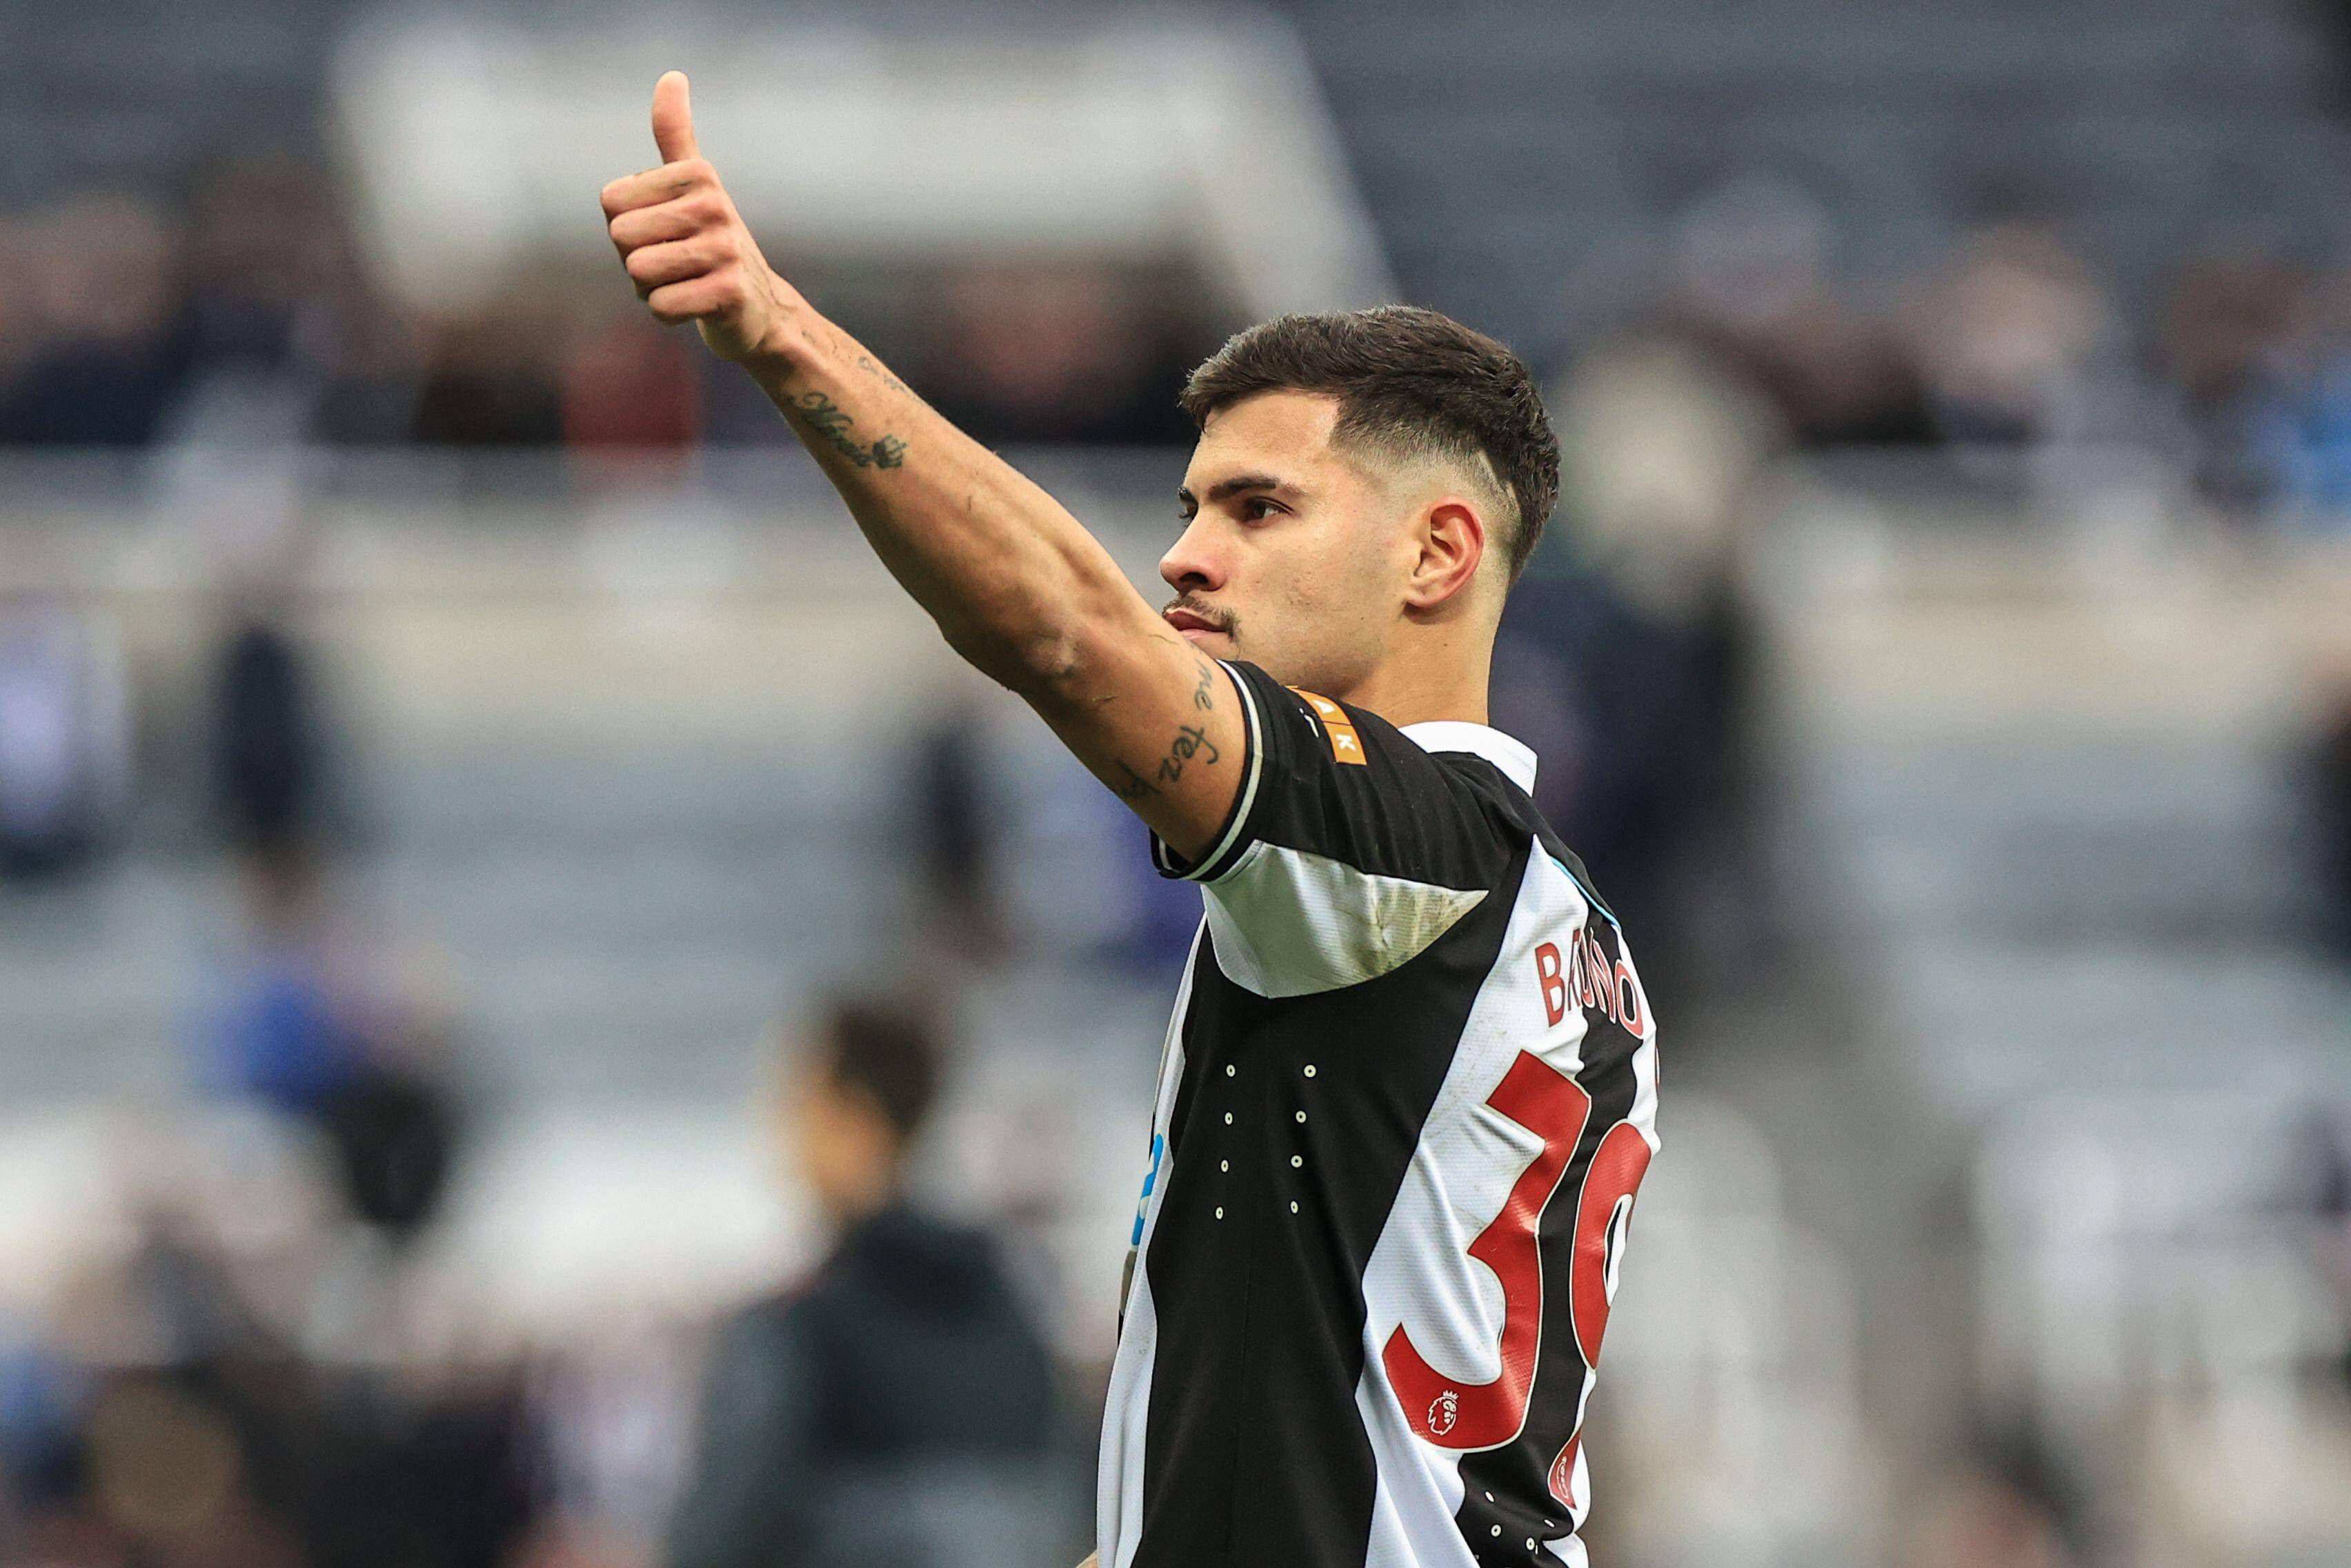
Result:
[1452,540]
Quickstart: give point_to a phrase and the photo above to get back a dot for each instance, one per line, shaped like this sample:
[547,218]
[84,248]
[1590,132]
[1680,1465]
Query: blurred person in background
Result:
[487,380]
[2327,797]
[2005,1504]
[1753,263]
[271,749]
[632,401]
[185,1410]
[2006,334]
[108,274]
[264,253]
[2234,340]
[1046,351]
[900,1407]
[65,735]
[1626,652]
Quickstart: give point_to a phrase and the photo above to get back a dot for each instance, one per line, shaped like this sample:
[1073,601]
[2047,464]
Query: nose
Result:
[1196,563]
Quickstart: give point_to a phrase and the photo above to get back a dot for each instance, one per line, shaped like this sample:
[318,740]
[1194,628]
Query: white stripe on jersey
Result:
[1289,923]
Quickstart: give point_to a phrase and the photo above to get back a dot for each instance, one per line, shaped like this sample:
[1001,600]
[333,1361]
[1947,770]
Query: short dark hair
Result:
[890,1055]
[1409,380]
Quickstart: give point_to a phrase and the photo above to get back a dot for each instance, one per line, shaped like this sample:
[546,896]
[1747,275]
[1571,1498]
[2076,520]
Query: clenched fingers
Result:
[670,181]
[681,219]
[656,265]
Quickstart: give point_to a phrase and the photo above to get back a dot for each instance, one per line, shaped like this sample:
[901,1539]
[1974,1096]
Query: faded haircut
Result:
[1408,382]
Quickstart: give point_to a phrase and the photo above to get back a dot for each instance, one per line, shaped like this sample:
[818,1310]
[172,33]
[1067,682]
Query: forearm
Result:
[1017,585]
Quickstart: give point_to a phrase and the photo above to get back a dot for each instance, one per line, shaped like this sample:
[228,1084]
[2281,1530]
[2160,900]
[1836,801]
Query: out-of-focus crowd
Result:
[241,307]
[240,310]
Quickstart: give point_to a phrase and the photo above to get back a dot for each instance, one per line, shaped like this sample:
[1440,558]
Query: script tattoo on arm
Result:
[1191,745]
[1190,742]
[1204,696]
[826,420]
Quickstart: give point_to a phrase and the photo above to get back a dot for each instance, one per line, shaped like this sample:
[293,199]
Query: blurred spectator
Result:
[2235,341]
[262,256]
[65,736]
[2321,1193]
[632,392]
[1625,652]
[487,381]
[373,376]
[21,321]
[2004,1506]
[109,275]
[1043,350]
[953,830]
[291,1029]
[2006,333]
[185,1427]
[1753,268]
[1023,857]
[269,747]
[900,1408]
[309,1028]
[2330,811]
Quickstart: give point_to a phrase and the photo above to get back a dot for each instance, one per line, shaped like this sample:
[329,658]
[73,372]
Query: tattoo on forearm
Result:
[826,420]
[1190,742]
[1204,696]
[866,364]
[1137,786]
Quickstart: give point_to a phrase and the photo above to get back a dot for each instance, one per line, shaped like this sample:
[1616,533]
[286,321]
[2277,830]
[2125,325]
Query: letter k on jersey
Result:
[1345,744]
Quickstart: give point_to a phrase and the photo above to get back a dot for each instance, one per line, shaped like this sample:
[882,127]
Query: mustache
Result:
[1205,610]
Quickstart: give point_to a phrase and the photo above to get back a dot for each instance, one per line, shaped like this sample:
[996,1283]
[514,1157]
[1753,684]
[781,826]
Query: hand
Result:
[686,249]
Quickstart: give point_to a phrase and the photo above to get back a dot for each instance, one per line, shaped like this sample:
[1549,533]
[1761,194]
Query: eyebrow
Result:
[1225,489]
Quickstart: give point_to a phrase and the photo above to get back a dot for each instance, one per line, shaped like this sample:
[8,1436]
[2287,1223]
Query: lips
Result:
[1189,622]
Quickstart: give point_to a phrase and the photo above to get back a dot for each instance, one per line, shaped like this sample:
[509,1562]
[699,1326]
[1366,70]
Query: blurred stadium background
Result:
[418,670]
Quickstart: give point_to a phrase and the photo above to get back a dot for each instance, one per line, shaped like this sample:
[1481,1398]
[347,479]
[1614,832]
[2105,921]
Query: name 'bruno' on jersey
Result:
[1407,1096]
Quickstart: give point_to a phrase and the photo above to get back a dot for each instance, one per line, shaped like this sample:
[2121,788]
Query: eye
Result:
[1256,508]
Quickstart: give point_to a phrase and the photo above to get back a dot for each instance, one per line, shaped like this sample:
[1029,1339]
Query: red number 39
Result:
[1457,1414]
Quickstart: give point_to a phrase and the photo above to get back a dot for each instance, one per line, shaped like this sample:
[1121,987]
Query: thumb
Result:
[674,118]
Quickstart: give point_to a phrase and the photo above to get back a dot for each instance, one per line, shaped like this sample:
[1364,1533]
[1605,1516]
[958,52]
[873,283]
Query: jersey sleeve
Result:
[1348,851]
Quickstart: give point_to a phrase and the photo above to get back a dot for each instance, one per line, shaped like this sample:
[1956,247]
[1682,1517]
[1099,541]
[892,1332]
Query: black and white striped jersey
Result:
[1407,1095]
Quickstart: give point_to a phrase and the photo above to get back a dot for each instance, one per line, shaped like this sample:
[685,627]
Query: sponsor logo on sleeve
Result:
[1346,746]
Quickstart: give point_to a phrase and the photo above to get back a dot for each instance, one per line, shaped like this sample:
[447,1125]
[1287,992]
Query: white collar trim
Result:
[1512,756]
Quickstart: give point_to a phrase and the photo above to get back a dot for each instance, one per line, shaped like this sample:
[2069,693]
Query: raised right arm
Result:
[1015,584]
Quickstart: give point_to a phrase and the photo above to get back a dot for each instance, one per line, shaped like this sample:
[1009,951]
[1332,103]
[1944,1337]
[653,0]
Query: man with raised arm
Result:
[1410,1086]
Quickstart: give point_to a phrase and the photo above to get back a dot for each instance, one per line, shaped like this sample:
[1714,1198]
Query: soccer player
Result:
[1410,1086]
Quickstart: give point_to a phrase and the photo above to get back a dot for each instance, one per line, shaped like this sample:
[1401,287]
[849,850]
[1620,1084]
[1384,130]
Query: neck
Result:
[1441,676]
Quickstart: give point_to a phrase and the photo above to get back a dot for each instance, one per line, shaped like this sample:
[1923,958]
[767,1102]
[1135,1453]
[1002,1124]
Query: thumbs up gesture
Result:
[686,249]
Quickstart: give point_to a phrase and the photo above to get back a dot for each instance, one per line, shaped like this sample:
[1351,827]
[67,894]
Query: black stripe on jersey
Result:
[1517,1474]
[1255,1454]
[1404,812]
